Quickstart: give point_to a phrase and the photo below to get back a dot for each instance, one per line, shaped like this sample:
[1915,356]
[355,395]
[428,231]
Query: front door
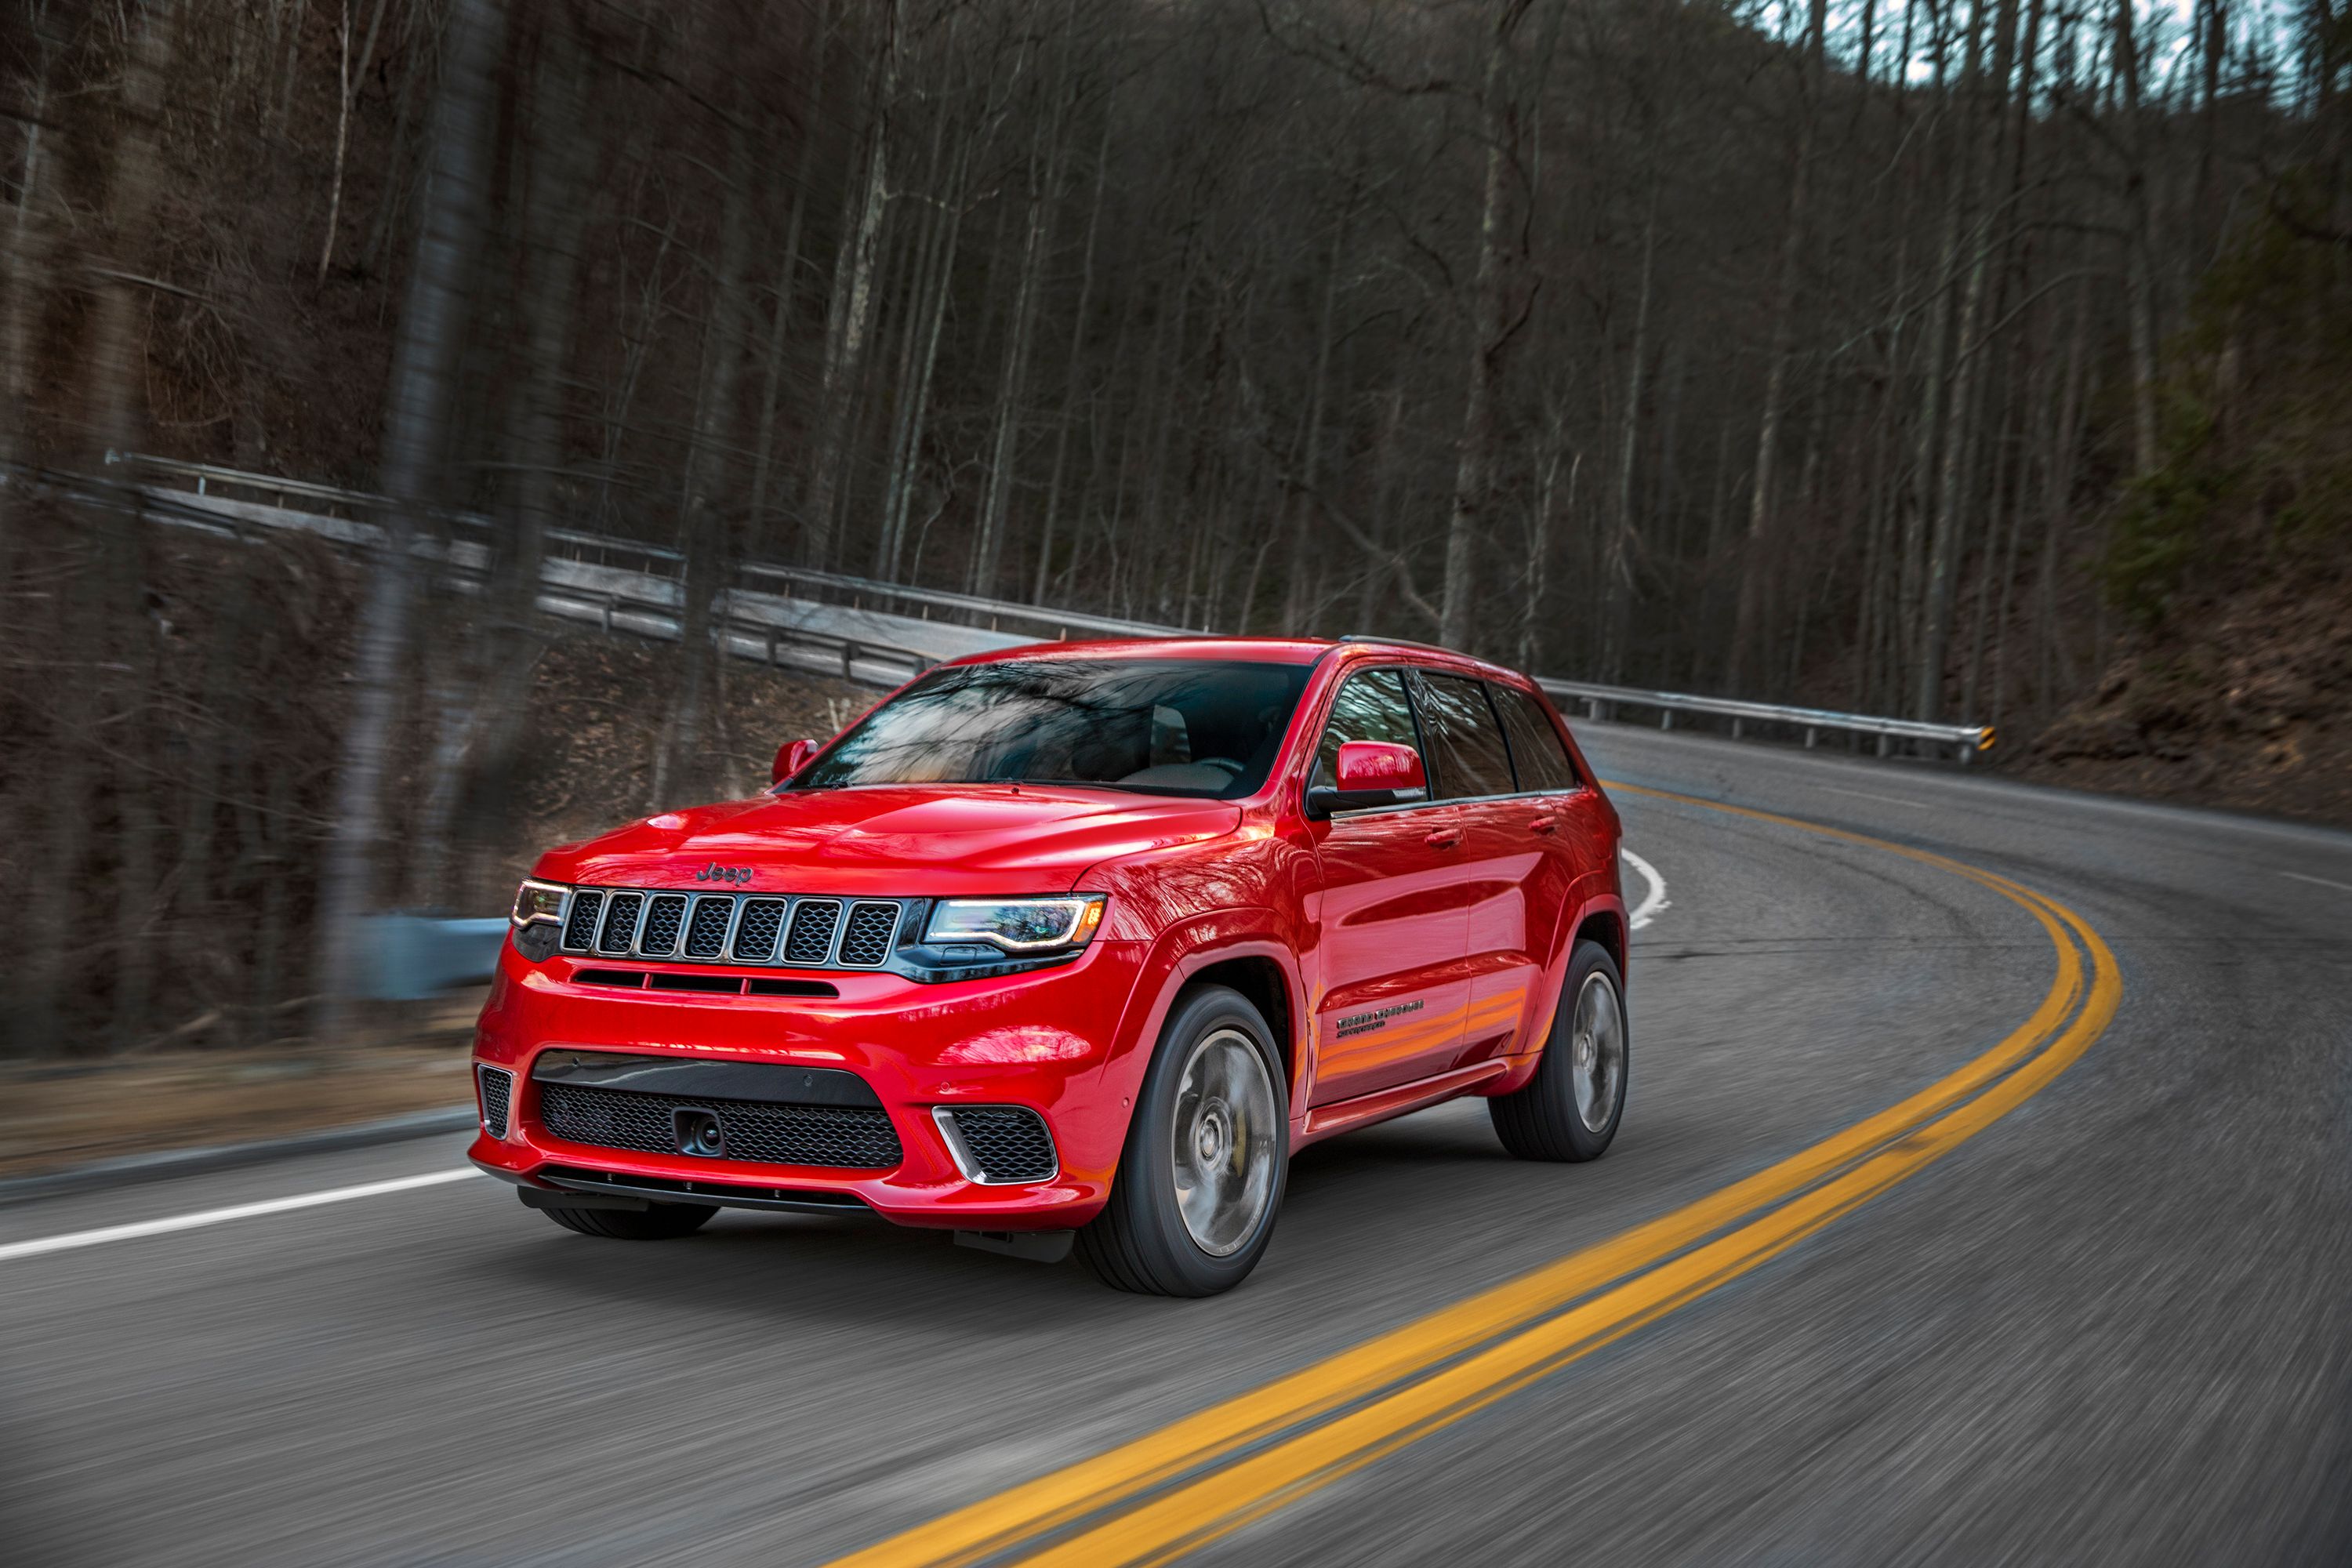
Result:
[1393,928]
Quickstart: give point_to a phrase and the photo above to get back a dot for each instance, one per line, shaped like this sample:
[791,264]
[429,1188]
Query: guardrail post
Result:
[1882,740]
[846,648]
[1738,728]
[1666,717]
[1811,735]
[1965,750]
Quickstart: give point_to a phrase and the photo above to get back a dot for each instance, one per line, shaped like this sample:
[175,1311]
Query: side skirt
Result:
[1342,1116]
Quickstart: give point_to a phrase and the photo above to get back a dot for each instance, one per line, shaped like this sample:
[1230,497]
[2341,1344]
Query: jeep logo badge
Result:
[715,872]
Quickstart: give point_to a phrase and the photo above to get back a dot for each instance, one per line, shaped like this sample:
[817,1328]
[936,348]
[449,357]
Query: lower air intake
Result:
[1003,1143]
[846,1137]
[498,1094]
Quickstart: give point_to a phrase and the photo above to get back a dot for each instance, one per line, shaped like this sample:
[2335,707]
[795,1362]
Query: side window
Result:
[1537,755]
[1466,742]
[1370,706]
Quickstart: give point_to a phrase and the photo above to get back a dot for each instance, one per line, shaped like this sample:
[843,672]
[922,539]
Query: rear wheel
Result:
[658,1221]
[1571,1109]
[1192,1207]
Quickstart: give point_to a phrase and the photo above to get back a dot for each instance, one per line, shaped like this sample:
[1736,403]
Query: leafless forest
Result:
[1923,356]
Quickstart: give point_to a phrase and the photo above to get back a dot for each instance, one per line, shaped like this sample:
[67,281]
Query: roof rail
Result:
[1400,642]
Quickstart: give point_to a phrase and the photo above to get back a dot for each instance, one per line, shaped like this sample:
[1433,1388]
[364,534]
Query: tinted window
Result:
[1370,706]
[1467,748]
[1201,727]
[1538,756]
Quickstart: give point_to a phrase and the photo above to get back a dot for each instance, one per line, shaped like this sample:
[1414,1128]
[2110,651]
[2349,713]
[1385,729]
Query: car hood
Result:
[901,841]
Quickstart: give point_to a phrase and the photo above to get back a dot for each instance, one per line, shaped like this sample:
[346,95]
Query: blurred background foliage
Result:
[1978,360]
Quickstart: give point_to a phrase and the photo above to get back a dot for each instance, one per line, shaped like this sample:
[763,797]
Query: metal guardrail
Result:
[997,611]
[653,615]
[1603,701]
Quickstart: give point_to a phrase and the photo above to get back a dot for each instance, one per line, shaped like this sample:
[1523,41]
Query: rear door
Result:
[1505,877]
[1553,809]
[1391,985]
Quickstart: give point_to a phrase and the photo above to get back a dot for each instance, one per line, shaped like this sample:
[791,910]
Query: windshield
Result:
[1176,726]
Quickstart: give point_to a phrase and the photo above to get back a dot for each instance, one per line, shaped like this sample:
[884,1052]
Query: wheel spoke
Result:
[1597,1043]
[1222,1144]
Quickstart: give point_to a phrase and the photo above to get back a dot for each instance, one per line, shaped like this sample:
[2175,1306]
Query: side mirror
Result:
[1371,774]
[790,758]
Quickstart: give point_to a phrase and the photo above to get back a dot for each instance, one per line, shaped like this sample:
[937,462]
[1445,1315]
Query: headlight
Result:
[537,901]
[1017,925]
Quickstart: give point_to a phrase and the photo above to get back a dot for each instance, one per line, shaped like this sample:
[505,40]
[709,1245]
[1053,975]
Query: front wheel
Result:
[1192,1207]
[1571,1109]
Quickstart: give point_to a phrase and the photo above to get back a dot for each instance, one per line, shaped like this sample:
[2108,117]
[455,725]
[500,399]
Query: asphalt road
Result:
[2111,1325]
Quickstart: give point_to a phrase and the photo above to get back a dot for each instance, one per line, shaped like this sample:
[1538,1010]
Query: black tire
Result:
[661,1221]
[1141,1240]
[1545,1119]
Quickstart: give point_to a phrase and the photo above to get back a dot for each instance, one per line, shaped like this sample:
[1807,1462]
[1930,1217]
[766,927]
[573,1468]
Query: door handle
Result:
[1444,838]
[1543,824]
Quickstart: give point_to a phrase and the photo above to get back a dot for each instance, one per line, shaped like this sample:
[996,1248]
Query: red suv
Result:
[1074,945]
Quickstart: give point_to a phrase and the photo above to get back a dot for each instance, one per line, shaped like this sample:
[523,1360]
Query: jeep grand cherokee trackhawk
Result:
[1074,945]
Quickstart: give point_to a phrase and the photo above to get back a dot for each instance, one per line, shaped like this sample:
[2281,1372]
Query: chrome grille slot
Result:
[665,913]
[498,1094]
[580,929]
[621,912]
[756,932]
[811,942]
[866,942]
[706,934]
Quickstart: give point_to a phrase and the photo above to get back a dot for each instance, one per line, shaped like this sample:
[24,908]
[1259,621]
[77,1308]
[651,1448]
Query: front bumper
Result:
[1042,1040]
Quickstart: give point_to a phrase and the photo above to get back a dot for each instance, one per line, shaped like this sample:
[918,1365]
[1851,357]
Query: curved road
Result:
[2111,1323]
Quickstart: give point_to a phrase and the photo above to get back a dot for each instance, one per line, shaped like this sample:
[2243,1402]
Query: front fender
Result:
[1176,956]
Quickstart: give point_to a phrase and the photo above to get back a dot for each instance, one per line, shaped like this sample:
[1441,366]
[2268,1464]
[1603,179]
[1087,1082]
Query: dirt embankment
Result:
[2244,703]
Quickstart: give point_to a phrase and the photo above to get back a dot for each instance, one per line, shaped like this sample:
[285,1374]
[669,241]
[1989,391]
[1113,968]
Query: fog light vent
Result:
[498,1094]
[998,1146]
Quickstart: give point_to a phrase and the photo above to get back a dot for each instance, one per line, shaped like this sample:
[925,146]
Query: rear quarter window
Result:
[1538,755]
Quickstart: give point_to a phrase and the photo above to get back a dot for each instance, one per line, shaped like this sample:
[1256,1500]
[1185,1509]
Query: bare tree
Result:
[417,424]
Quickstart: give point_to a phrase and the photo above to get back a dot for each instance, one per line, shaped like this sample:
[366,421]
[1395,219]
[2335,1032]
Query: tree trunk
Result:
[1617,565]
[558,205]
[1755,564]
[853,312]
[1490,334]
[988,552]
[1072,372]
[2139,270]
[417,424]
[1949,541]
[703,525]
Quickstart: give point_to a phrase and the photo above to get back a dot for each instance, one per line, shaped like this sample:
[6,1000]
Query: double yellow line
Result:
[1164,1494]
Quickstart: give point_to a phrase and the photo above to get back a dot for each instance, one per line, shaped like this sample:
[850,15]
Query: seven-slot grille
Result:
[732,928]
[847,1137]
[497,1093]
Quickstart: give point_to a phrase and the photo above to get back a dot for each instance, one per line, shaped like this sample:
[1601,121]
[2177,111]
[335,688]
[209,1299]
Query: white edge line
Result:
[2339,887]
[1653,901]
[1889,799]
[72,1239]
